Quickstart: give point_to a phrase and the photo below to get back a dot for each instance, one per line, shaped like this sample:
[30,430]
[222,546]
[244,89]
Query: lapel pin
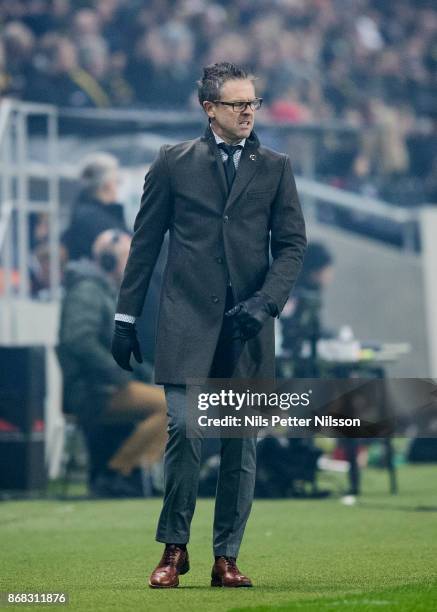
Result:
[252,157]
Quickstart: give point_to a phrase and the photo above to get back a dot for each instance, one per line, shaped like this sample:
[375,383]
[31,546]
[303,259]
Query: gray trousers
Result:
[236,481]
[235,484]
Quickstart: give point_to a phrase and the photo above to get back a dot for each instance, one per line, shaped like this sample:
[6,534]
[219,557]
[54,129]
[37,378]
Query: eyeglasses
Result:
[239,107]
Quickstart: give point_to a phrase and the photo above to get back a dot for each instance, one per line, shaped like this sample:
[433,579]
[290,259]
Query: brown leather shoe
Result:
[225,573]
[174,561]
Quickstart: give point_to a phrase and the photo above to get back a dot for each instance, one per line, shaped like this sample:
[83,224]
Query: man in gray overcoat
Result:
[227,203]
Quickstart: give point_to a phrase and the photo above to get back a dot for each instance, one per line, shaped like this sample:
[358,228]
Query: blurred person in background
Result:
[99,393]
[96,208]
[161,69]
[301,318]
[60,79]
[106,69]
[40,268]
[86,22]
[302,328]
[19,46]
[4,77]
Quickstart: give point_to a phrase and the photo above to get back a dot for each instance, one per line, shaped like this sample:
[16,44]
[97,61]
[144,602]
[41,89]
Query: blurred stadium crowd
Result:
[314,58]
[365,63]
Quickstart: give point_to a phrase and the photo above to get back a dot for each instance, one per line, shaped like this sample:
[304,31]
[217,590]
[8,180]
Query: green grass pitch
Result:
[304,555]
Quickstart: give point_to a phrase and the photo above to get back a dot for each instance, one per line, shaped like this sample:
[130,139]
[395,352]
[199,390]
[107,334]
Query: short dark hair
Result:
[214,77]
[317,257]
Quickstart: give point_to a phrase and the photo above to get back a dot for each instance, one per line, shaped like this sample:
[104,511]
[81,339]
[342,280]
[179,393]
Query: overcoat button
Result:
[226,218]
[215,299]
[220,260]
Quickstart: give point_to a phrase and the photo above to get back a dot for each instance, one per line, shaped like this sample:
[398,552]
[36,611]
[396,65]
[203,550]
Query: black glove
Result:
[252,314]
[125,342]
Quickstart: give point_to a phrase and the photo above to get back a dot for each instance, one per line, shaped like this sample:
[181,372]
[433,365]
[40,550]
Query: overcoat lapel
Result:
[247,168]
[215,163]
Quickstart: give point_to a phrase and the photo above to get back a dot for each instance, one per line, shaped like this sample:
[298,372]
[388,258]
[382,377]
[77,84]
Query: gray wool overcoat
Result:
[214,237]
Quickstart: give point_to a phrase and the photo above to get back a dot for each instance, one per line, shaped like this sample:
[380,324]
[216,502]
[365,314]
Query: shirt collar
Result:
[218,139]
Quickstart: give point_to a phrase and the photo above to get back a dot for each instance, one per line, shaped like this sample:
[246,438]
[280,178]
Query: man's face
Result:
[108,193]
[230,125]
[324,276]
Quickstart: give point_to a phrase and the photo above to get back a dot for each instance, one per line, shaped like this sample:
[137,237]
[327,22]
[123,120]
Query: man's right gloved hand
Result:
[125,342]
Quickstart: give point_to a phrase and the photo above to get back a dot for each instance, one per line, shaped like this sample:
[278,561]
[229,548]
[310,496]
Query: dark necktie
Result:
[229,163]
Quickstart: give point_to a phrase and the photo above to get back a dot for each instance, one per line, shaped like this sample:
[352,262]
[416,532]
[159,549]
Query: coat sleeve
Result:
[151,223]
[287,240]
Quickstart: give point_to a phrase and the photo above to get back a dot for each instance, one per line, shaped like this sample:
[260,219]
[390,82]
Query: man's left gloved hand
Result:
[252,314]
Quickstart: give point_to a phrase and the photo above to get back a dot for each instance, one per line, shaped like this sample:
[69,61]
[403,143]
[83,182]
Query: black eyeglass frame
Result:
[246,104]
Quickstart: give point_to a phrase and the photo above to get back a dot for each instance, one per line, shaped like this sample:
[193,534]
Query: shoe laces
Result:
[170,554]
[231,562]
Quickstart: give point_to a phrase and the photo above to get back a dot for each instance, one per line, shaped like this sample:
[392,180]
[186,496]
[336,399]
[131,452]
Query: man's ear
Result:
[208,107]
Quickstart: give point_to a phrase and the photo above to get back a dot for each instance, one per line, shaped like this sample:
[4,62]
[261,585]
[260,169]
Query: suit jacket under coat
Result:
[213,236]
